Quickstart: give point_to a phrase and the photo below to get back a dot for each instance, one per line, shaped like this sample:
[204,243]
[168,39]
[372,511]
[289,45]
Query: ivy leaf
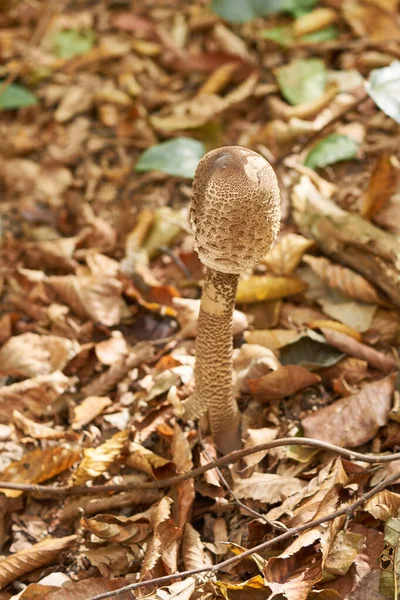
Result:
[383,86]
[302,80]
[178,157]
[241,11]
[331,150]
[70,42]
[16,96]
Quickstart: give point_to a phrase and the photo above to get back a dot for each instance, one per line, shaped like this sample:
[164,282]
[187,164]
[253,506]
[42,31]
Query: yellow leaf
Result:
[337,327]
[258,289]
[271,338]
[38,465]
[145,460]
[287,253]
[97,460]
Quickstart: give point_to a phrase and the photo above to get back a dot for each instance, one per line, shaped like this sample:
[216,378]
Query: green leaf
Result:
[383,86]
[70,42]
[283,34]
[241,11]
[302,80]
[310,352]
[323,35]
[16,96]
[331,150]
[389,580]
[178,157]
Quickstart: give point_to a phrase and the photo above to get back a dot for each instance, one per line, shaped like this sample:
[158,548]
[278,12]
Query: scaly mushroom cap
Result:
[235,211]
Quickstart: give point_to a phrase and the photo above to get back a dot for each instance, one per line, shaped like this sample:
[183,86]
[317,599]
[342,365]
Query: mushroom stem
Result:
[213,370]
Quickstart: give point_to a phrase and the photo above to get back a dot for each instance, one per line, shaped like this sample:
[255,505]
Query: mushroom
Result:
[235,215]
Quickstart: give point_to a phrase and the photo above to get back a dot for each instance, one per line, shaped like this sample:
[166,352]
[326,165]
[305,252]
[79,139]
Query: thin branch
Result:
[257,515]
[228,459]
[260,547]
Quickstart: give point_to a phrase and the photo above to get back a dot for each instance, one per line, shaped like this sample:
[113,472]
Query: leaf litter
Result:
[104,114]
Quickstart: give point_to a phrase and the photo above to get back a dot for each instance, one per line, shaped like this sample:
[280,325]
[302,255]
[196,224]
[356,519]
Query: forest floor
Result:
[105,110]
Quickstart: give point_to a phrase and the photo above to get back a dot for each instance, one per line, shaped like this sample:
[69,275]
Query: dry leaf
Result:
[36,430]
[287,253]
[267,487]
[29,354]
[119,529]
[111,350]
[37,394]
[350,346]
[90,408]
[266,287]
[194,554]
[144,460]
[271,338]
[39,465]
[82,590]
[345,280]
[354,420]
[188,314]
[96,298]
[283,382]
[319,324]
[97,460]
[39,555]
[381,186]
[383,505]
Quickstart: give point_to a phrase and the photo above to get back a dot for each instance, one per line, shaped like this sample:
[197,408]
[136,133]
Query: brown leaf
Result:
[111,350]
[36,430]
[97,460]
[354,420]
[381,185]
[267,487]
[90,408]
[351,370]
[83,590]
[119,530]
[284,382]
[266,287]
[39,555]
[39,465]
[350,346]
[182,456]
[294,575]
[37,394]
[383,505]
[96,298]
[112,560]
[343,279]
[287,254]
[145,460]
[29,354]
[194,554]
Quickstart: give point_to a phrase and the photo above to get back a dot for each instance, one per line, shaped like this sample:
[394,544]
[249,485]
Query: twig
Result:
[159,581]
[257,515]
[67,490]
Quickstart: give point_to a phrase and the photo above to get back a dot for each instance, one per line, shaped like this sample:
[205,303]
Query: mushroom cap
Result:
[235,210]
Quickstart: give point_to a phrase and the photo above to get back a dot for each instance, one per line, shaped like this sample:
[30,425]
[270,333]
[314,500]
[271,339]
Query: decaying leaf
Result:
[39,555]
[144,460]
[39,465]
[283,382]
[29,355]
[271,338]
[90,408]
[267,487]
[119,530]
[354,420]
[97,460]
[36,430]
[381,186]
[383,505]
[287,254]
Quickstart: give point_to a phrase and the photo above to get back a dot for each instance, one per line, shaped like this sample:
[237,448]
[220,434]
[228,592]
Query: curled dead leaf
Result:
[283,382]
[97,460]
[90,408]
[145,460]
[266,287]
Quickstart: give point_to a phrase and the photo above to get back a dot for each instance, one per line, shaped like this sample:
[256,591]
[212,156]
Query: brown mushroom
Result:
[235,216]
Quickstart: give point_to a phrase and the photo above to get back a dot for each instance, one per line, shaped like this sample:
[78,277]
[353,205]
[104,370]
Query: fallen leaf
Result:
[281,383]
[36,430]
[267,487]
[332,149]
[381,185]
[97,460]
[350,346]
[16,96]
[39,465]
[343,279]
[90,408]
[383,505]
[287,254]
[119,529]
[82,590]
[39,555]
[144,460]
[302,80]
[266,287]
[193,551]
[29,354]
[311,352]
[352,421]
[178,157]
[271,338]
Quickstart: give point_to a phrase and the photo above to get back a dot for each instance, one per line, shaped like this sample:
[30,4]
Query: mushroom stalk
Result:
[213,370]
